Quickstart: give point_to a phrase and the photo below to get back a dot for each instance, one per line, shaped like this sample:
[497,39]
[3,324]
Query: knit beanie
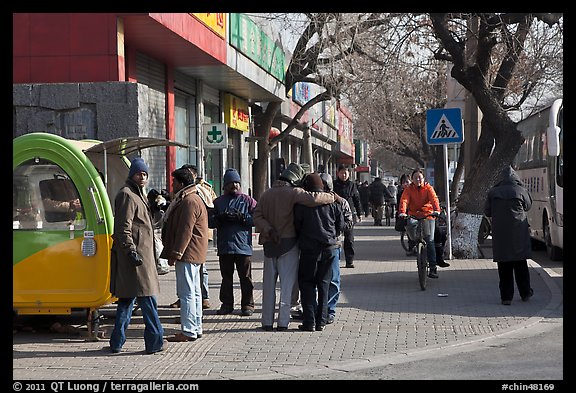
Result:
[136,166]
[313,182]
[327,180]
[230,176]
[293,174]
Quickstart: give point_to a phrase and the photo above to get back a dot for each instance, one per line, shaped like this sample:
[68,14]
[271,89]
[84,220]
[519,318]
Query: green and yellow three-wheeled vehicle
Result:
[63,221]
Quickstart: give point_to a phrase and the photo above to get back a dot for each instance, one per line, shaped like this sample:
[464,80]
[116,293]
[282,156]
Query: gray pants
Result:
[284,267]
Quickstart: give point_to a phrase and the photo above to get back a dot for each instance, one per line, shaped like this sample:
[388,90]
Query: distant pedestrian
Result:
[379,194]
[348,190]
[133,275]
[364,193]
[507,204]
[232,216]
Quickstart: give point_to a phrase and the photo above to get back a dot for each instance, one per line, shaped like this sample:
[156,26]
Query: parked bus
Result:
[540,165]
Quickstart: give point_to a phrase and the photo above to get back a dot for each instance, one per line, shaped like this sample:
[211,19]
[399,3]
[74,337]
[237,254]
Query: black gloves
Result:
[232,216]
[135,258]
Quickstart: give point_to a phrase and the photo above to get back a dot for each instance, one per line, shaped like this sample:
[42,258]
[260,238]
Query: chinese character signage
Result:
[215,21]
[236,113]
[248,38]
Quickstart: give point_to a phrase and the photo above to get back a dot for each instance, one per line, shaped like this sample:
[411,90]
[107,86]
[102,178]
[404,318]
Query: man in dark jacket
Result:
[133,275]
[507,204]
[379,194]
[317,229]
[274,220]
[232,216]
[348,190]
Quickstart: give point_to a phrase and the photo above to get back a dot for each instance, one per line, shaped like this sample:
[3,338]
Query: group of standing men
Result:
[301,246]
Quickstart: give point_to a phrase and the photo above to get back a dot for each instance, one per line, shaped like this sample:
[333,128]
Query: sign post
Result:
[445,126]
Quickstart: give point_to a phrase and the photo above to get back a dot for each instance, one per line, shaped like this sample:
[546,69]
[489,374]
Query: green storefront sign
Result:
[247,37]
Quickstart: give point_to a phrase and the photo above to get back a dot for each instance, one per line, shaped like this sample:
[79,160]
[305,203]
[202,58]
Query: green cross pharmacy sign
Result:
[215,136]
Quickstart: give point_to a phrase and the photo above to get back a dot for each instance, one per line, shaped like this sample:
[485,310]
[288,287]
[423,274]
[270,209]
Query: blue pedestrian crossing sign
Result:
[444,126]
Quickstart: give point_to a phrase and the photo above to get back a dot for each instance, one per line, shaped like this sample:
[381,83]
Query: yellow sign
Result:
[236,113]
[215,21]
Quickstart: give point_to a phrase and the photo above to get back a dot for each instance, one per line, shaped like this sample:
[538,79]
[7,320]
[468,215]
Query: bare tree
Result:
[321,56]
[507,62]
[501,70]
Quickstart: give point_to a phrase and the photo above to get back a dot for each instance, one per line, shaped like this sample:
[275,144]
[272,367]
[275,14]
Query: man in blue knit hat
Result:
[232,217]
[133,276]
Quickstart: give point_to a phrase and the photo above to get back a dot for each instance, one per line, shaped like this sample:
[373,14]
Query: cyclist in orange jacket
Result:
[420,200]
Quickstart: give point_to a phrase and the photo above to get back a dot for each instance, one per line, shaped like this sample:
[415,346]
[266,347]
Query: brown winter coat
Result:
[275,209]
[133,230]
[186,228]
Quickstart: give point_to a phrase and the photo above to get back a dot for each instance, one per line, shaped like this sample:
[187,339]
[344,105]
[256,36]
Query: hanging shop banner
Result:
[215,135]
[247,37]
[236,113]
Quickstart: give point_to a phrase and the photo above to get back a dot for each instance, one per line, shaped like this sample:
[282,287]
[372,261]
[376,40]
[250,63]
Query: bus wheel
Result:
[554,253]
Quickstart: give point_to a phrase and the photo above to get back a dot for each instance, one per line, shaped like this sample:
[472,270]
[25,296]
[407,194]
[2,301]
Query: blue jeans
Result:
[190,295]
[153,330]
[334,287]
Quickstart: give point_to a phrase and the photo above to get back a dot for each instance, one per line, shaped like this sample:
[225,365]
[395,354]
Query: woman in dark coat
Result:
[507,204]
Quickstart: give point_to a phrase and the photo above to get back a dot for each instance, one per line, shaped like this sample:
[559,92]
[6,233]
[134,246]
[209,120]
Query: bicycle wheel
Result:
[404,241]
[422,265]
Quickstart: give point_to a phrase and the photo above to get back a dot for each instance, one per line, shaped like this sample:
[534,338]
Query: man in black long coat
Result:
[507,204]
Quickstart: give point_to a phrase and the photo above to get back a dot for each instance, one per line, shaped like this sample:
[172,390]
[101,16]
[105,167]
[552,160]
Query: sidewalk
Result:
[382,314]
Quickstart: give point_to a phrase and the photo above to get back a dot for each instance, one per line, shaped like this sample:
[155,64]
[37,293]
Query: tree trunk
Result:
[485,172]
[262,131]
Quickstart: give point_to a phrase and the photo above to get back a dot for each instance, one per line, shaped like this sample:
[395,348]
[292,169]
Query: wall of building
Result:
[64,47]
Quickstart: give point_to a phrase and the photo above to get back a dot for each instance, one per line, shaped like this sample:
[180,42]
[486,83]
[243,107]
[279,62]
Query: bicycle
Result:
[421,251]
[404,236]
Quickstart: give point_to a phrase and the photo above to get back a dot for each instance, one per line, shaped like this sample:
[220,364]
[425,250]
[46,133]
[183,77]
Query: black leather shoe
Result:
[267,328]
[319,328]
[443,264]
[306,328]
[526,298]
[281,328]
[350,265]
[433,273]
[225,310]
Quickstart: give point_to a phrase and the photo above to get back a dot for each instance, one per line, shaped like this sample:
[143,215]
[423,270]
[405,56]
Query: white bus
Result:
[540,165]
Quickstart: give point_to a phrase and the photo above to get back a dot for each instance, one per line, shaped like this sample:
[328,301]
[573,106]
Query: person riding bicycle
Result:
[379,194]
[420,200]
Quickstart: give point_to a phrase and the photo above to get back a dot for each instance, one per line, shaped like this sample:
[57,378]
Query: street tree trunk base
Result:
[465,229]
